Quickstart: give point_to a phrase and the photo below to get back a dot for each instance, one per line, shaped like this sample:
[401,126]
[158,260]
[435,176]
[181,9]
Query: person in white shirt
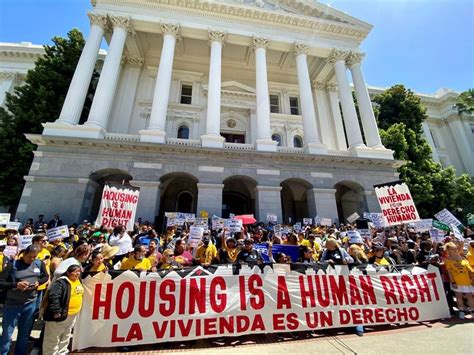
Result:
[121,239]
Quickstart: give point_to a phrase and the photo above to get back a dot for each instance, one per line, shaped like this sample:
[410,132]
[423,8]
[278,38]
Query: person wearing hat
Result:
[334,254]
[207,252]
[248,254]
[378,257]
[108,254]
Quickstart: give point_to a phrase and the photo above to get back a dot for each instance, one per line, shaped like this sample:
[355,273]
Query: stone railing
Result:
[290,150]
[339,153]
[122,137]
[239,146]
[184,142]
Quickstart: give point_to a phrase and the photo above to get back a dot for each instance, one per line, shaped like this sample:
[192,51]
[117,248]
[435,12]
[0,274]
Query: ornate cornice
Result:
[300,48]
[170,29]
[354,58]
[9,75]
[337,55]
[217,36]
[260,42]
[97,19]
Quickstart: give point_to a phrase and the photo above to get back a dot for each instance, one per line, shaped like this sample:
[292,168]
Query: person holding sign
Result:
[461,276]
[21,278]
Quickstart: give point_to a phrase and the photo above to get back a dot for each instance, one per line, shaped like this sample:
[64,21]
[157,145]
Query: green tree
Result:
[38,101]
[400,116]
[465,102]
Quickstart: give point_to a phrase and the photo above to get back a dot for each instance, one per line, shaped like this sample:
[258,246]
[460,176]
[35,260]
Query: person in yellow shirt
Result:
[378,257]
[229,251]
[97,263]
[137,260]
[207,252]
[461,276]
[64,303]
[470,253]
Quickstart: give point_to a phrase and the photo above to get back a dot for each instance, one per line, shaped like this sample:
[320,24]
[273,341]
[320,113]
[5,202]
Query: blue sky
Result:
[423,44]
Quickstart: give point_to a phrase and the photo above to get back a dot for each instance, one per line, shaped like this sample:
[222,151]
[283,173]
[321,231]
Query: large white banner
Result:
[118,206]
[396,203]
[153,308]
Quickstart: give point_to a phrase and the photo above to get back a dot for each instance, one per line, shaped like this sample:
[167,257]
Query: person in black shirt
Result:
[248,254]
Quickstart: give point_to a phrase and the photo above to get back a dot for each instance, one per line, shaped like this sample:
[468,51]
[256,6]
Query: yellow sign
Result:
[203,214]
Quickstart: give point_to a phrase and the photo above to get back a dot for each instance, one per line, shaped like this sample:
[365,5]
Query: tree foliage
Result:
[38,101]
[400,116]
[465,102]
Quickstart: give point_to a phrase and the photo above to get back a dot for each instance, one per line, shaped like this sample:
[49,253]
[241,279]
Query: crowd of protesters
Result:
[44,280]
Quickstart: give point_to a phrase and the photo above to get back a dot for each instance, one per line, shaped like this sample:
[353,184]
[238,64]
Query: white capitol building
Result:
[224,107]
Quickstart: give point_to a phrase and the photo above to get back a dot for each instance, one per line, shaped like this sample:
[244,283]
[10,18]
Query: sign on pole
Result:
[448,218]
[396,203]
[118,206]
[60,232]
[195,235]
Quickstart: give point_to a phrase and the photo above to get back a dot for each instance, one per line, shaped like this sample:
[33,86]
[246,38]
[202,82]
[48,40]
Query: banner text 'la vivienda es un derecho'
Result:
[132,310]
[118,206]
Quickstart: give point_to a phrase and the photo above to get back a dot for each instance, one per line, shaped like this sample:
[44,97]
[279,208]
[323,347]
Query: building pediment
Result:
[234,87]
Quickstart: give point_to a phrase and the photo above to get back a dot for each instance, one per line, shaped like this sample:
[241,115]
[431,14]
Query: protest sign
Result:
[57,233]
[4,218]
[436,235]
[234,225]
[13,225]
[289,250]
[365,233]
[127,310]
[440,225]
[174,221]
[170,214]
[201,222]
[352,217]
[456,232]
[271,217]
[376,219]
[195,235]
[190,217]
[396,203]
[326,222]
[24,241]
[297,227]
[448,218]
[118,206]
[307,221]
[423,225]
[217,222]
[10,251]
[278,230]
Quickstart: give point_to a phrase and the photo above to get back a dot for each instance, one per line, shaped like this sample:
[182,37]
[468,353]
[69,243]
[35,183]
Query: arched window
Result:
[183,132]
[277,138]
[297,142]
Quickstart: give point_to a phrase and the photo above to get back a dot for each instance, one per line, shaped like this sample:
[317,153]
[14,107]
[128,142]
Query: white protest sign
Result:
[10,251]
[201,222]
[60,232]
[271,217]
[365,233]
[396,203]
[24,241]
[436,235]
[4,218]
[447,217]
[190,217]
[307,221]
[297,227]
[277,230]
[170,214]
[423,225]
[118,206]
[353,217]
[456,232]
[217,222]
[13,225]
[234,225]
[195,235]
[326,222]
[376,219]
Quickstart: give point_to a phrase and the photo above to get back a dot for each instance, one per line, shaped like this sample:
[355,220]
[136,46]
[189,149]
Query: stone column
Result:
[149,202]
[325,123]
[105,92]
[325,203]
[462,142]
[264,138]
[210,198]
[8,78]
[351,121]
[155,132]
[312,143]
[371,201]
[76,95]
[268,200]
[336,115]
[213,137]
[429,138]
[371,131]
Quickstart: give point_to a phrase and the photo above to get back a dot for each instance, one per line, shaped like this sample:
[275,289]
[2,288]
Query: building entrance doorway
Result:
[238,196]
[234,137]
